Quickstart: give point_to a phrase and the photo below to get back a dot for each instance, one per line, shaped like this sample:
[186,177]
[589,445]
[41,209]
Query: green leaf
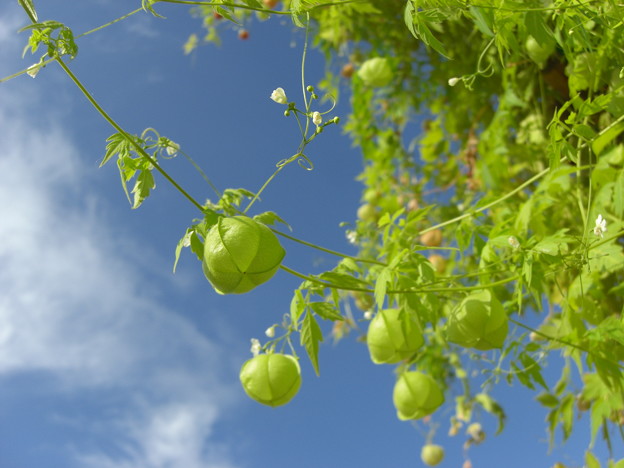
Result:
[491,406]
[342,280]
[311,336]
[536,27]
[29,6]
[269,218]
[483,18]
[603,139]
[326,310]
[618,195]
[381,285]
[117,144]
[548,400]
[142,187]
[591,461]
[419,28]
[297,306]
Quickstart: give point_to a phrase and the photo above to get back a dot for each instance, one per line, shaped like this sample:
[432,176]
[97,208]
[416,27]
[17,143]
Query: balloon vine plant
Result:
[521,154]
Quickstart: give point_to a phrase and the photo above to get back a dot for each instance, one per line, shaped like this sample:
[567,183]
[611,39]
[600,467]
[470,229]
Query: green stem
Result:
[323,249]
[134,12]
[558,340]
[398,291]
[489,205]
[257,195]
[116,126]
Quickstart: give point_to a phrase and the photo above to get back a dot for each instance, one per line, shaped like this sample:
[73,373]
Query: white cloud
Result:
[74,308]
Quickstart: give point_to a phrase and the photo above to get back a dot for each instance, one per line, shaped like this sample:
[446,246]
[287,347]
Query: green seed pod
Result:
[416,395]
[432,454]
[479,322]
[376,72]
[271,379]
[393,336]
[240,254]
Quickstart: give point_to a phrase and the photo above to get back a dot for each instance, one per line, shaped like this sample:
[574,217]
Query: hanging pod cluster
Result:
[393,335]
[271,379]
[479,322]
[240,254]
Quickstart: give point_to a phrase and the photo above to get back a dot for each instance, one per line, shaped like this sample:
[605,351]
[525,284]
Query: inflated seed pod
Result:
[393,336]
[376,72]
[240,254]
[479,322]
[271,379]
[416,395]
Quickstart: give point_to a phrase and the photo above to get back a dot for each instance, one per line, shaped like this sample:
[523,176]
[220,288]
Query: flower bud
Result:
[479,322]
[453,81]
[271,379]
[317,118]
[240,254]
[279,96]
[393,336]
[416,395]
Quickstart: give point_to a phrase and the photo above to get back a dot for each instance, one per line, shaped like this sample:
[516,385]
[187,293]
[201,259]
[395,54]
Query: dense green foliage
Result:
[493,167]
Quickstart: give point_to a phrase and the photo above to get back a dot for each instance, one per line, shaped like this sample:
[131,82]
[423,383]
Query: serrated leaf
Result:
[29,6]
[419,28]
[269,218]
[483,19]
[117,144]
[180,246]
[311,336]
[142,187]
[297,306]
[326,311]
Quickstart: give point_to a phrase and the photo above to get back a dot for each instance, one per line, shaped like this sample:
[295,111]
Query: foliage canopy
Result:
[493,168]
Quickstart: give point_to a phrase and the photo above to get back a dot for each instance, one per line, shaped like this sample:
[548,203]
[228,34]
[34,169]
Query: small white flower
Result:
[172,148]
[601,226]
[33,70]
[279,96]
[368,315]
[453,81]
[513,242]
[352,237]
[255,346]
[317,118]
[270,332]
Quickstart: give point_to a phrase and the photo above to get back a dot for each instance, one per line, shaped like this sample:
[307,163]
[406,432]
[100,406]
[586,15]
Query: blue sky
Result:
[107,359]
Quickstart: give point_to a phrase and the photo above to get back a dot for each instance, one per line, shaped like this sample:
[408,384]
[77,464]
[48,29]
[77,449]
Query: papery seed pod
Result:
[479,322]
[271,379]
[376,72]
[432,454]
[240,254]
[393,336]
[416,395]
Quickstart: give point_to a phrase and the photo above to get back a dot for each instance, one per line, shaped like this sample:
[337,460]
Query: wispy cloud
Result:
[75,308]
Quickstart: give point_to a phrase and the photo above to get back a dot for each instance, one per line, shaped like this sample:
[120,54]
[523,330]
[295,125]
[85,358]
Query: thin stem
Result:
[329,251]
[257,195]
[117,127]
[110,23]
[489,205]
[303,59]
[202,173]
[326,284]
